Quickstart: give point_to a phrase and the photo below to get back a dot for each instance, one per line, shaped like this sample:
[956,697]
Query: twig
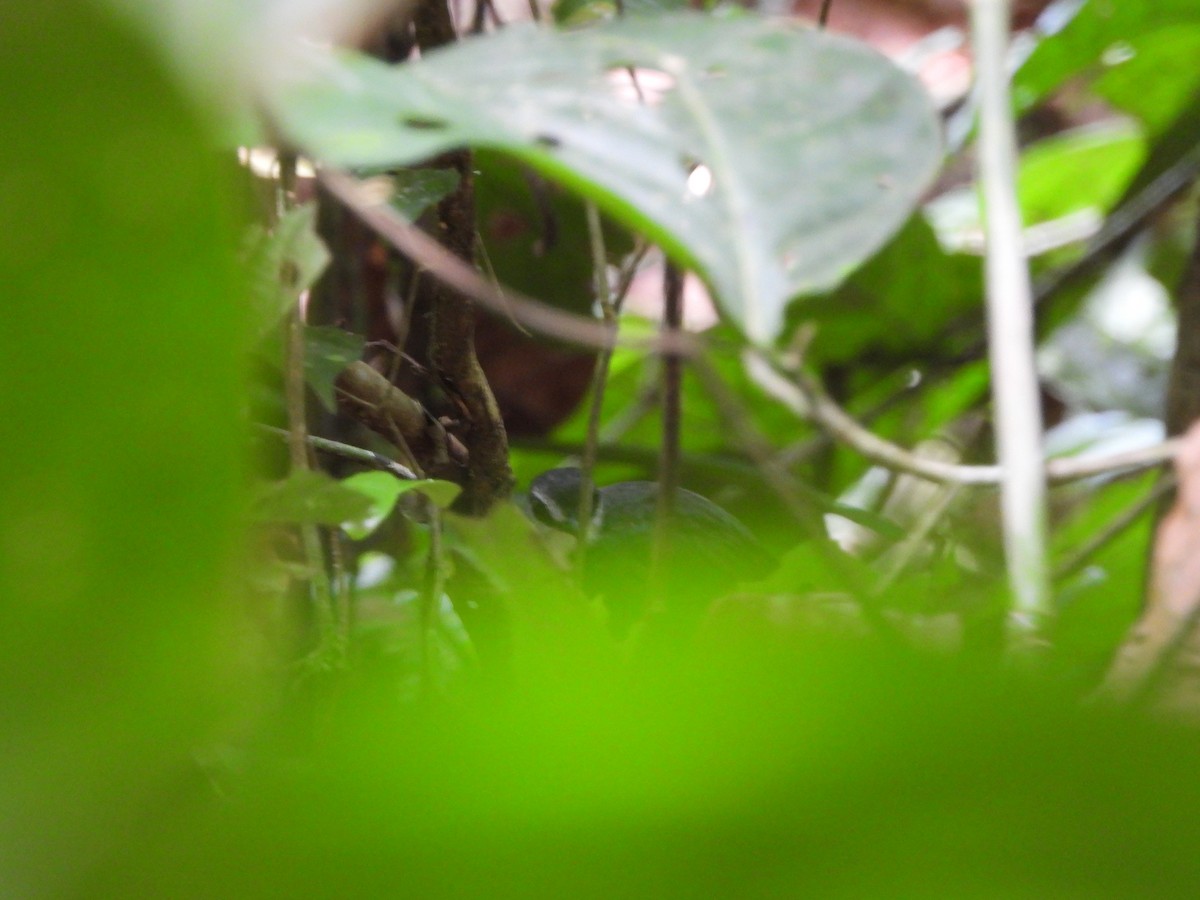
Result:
[672,393]
[1015,395]
[1121,225]
[824,412]
[668,457]
[1115,528]
[331,649]
[368,397]
[599,378]
[348,451]
[823,15]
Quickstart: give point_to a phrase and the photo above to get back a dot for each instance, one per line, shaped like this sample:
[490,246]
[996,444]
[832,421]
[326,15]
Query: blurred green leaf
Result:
[1100,600]
[1078,170]
[122,453]
[1176,150]
[1138,85]
[771,159]
[1108,36]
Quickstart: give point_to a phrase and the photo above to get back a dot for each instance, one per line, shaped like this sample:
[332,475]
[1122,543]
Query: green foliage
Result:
[891,305]
[706,166]
[122,473]
[1082,170]
[1124,48]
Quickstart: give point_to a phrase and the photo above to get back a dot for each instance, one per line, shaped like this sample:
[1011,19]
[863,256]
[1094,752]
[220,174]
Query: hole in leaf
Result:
[423,123]
[699,178]
[640,85]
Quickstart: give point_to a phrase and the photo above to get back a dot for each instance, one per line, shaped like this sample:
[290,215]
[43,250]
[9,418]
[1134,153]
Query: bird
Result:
[709,551]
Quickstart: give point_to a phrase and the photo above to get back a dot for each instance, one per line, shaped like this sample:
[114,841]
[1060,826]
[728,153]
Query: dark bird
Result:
[709,551]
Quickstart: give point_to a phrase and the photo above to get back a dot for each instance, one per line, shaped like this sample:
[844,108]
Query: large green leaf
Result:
[772,159]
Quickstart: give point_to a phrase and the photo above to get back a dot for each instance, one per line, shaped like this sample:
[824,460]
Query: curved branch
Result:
[805,396]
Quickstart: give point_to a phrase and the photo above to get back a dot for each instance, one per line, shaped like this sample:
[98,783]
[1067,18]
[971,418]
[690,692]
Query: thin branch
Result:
[1115,528]
[348,451]
[1122,224]
[330,649]
[672,414]
[1076,468]
[806,393]
[823,15]
[672,393]
[599,377]
[368,397]
[1015,394]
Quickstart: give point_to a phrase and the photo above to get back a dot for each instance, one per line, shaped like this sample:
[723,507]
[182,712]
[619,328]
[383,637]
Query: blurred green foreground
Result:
[142,751]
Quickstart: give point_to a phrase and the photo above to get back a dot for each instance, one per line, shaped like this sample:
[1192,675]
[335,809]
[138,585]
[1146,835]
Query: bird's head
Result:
[554,499]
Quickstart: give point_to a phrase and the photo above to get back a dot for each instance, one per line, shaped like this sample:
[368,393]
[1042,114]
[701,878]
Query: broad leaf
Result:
[383,489]
[772,159]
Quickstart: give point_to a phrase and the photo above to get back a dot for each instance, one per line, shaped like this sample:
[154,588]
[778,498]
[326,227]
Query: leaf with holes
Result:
[771,158]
